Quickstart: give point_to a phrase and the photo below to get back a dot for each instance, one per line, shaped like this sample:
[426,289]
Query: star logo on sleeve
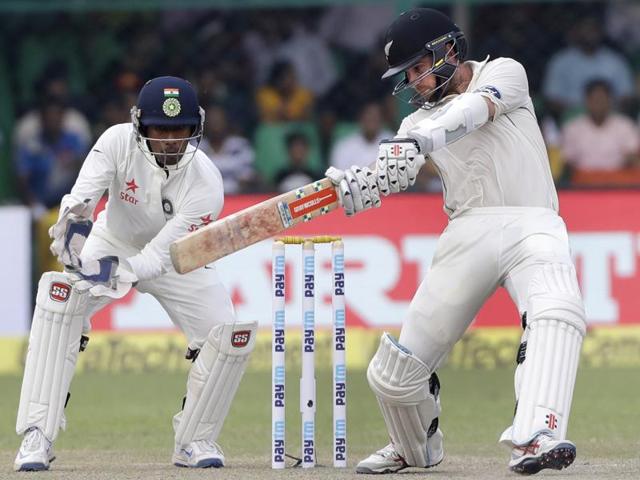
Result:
[204,221]
[131,186]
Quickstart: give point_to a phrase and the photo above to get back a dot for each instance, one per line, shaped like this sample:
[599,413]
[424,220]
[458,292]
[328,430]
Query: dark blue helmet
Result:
[167,102]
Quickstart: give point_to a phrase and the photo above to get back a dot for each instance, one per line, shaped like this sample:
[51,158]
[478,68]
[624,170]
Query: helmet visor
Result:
[438,65]
[169,153]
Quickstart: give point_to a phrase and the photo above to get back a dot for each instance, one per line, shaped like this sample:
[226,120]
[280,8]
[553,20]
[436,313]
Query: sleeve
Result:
[203,207]
[407,124]
[504,82]
[97,172]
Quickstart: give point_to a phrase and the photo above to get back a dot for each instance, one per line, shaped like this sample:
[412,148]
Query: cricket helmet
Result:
[418,33]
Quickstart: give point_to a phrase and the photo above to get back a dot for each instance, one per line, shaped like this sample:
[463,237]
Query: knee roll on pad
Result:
[213,380]
[554,332]
[408,402]
[54,344]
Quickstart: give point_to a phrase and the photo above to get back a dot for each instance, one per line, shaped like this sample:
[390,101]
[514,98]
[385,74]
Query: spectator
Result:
[297,172]
[283,99]
[47,163]
[30,126]
[261,43]
[361,147]
[232,154]
[585,59]
[356,28]
[600,140]
[622,18]
[362,82]
[311,58]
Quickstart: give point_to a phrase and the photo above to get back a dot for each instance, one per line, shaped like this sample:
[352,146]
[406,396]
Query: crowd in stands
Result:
[288,92]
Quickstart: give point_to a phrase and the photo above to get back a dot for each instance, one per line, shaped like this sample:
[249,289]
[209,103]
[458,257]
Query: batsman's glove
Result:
[398,164]
[357,188]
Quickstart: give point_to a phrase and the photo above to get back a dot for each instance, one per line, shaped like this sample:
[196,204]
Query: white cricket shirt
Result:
[148,207]
[504,162]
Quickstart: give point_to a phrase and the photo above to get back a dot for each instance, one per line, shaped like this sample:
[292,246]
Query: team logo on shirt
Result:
[205,220]
[491,90]
[130,187]
[167,207]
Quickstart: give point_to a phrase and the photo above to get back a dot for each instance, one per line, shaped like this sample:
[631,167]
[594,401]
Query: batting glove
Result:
[399,161]
[357,188]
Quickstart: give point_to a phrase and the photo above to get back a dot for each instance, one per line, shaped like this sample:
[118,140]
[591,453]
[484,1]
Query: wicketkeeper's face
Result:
[168,144]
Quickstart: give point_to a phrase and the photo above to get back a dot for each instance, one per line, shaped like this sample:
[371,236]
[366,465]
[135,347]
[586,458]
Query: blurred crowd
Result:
[288,92]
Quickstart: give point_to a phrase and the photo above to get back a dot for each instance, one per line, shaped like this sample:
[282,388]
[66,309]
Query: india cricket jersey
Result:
[149,207]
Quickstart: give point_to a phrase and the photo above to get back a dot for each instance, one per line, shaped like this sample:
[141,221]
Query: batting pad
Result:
[213,381]
[54,344]
[400,381]
[555,330]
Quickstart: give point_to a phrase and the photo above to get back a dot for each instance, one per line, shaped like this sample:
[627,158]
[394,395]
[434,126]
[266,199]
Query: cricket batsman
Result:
[161,186]
[476,123]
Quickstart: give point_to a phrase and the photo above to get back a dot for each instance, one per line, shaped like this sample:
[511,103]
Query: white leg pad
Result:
[54,344]
[400,381]
[213,381]
[554,333]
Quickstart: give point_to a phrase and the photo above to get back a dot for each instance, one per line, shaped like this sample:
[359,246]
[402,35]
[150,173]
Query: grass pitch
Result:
[120,426]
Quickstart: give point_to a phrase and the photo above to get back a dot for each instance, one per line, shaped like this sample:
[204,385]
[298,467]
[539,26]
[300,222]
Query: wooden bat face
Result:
[253,224]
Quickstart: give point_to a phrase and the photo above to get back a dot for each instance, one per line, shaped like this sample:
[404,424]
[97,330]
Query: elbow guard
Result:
[453,121]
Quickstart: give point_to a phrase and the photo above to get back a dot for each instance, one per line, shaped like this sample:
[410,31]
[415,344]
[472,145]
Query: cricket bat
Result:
[258,222]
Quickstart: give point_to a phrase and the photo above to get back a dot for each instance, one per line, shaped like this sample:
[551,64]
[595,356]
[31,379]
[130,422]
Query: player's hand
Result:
[69,234]
[105,277]
[398,164]
[100,271]
[357,188]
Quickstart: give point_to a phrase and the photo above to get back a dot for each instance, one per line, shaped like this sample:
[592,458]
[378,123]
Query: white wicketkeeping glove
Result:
[69,234]
[105,276]
[399,161]
[357,188]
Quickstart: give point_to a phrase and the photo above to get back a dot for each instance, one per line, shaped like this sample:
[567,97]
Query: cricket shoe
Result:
[36,452]
[388,460]
[543,452]
[199,454]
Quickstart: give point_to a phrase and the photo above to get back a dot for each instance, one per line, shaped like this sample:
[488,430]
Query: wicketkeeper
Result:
[161,186]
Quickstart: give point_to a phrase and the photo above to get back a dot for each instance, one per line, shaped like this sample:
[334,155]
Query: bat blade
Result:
[253,224]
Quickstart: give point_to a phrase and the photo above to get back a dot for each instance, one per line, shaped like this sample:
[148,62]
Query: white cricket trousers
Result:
[479,251]
[195,302]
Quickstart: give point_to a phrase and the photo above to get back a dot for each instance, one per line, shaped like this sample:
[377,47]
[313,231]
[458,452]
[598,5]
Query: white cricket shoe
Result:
[199,454]
[388,460]
[36,452]
[543,452]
